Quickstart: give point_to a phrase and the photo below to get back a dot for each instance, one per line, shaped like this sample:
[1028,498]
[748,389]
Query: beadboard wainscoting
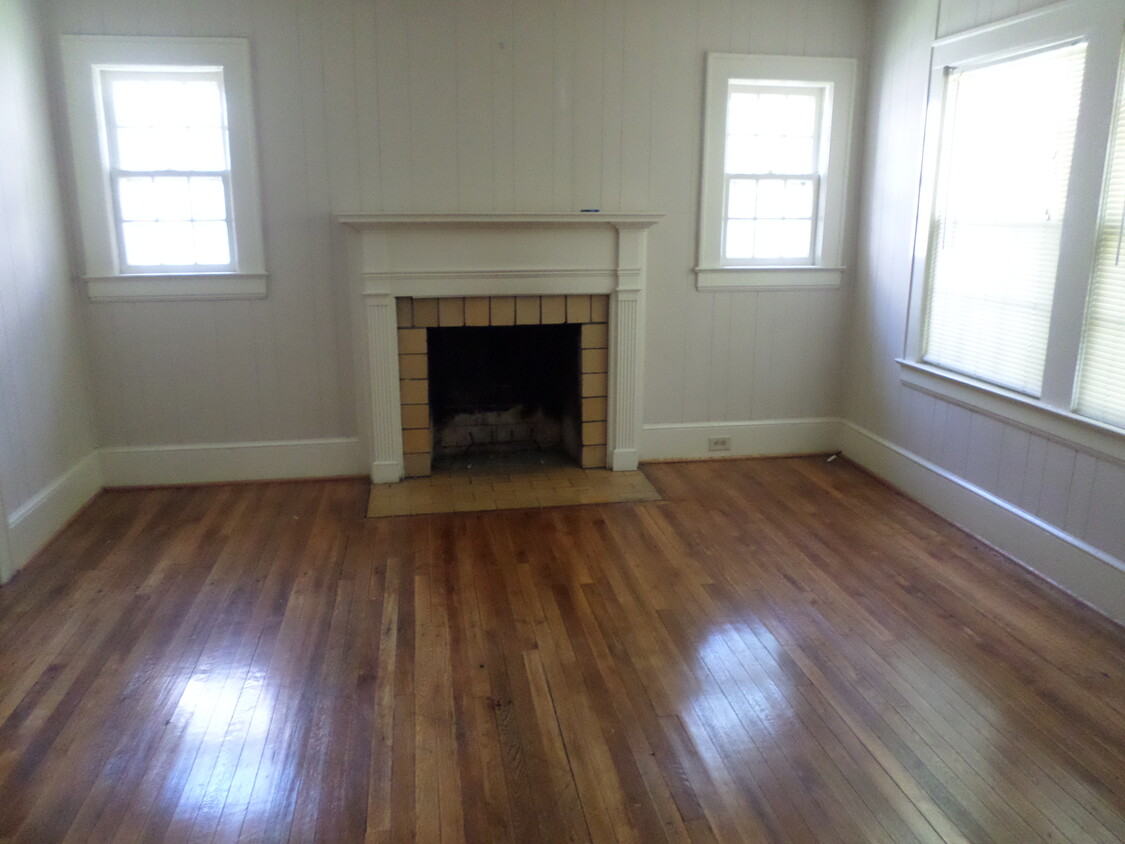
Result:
[1090,574]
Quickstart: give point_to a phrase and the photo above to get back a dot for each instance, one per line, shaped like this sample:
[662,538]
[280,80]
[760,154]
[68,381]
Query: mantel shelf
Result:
[362,220]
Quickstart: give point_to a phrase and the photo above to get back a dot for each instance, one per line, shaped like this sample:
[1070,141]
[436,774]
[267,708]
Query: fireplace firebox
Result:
[504,390]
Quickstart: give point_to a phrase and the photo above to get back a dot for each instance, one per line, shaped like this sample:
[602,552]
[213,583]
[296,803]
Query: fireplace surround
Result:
[454,263]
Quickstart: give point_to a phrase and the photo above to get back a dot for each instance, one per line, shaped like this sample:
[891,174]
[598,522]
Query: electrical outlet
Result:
[718,443]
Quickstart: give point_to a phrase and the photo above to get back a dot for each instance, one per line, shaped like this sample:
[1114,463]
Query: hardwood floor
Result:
[782,650]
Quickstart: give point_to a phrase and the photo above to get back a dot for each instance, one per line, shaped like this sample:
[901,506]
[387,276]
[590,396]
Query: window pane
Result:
[208,198]
[212,243]
[742,114]
[141,246]
[135,196]
[139,149]
[799,198]
[794,155]
[176,244]
[1007,139]
[133,103]
[739,241]
[771,198]
[772,113]
[771,132]
[800,115]
[742,198]
[201,104]
[204,149]
[172,198]
[745,154]
[169,123]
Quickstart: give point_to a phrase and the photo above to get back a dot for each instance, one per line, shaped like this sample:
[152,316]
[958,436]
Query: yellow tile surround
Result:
[414,316]
[507,489]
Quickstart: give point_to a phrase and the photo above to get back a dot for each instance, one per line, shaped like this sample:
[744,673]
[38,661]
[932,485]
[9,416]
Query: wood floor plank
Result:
[777,651]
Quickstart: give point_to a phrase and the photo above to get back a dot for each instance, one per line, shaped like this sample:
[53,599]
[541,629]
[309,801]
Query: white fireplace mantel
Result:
[495,254]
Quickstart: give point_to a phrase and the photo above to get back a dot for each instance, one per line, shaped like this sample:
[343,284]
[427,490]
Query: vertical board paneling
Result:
[1066,488]
[46,416]
[475,117]
[534,113]
[471,105]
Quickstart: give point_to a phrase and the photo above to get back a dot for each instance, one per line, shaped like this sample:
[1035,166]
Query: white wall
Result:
[46,431]
[469,105]
[1056,506]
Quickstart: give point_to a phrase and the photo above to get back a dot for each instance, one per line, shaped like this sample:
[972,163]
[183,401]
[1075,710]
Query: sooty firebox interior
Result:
[505,390]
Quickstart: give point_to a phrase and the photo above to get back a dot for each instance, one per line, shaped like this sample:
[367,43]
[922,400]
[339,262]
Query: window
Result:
[163,144]
[1101,373]
[1007,140]
[1003,318]
[774,171]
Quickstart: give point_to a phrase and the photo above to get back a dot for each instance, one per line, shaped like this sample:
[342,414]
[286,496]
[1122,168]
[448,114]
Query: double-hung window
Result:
[1018,299]
[163,145]
[776,139]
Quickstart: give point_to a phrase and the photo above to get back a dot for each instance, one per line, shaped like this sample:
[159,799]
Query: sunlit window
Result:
[777,132]
[1017,293]
[771,165]
[169,167]
[165,166]
[1003,175]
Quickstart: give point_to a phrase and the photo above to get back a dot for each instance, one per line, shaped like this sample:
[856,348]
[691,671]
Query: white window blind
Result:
[1100,393]
[1007,140]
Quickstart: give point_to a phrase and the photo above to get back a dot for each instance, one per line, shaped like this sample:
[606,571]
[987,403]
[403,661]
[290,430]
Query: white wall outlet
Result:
[718,443]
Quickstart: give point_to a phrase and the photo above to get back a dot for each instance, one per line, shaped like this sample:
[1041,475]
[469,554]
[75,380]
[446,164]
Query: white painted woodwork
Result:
[497,254]
[46,419]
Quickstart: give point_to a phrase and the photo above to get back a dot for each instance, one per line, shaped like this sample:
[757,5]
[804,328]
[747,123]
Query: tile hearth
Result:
[507,485]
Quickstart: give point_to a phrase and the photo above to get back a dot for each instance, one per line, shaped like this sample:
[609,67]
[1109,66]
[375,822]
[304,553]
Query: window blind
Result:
[1007,138]
[1100,393]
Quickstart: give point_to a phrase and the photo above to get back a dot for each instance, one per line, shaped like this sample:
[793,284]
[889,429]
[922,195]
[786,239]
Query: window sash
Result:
[111,126]
[764,222]
[993,265]
[120,223]
[772,226]
[1100,388]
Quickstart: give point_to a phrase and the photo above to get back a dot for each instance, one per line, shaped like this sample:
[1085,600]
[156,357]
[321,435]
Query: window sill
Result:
[767,278]
[1095,438]
[177,287]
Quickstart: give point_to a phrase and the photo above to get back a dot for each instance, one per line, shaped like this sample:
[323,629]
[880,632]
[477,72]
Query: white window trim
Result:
[838,76]
[82,55]
[1101,25]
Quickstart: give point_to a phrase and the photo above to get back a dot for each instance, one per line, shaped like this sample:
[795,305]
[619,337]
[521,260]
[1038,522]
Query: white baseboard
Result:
[747,439]
[33,524]
[386,471]
[216,463]
[1086,572]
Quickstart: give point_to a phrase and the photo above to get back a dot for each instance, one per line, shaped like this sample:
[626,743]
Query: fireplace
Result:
[582,273]
[503,373]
